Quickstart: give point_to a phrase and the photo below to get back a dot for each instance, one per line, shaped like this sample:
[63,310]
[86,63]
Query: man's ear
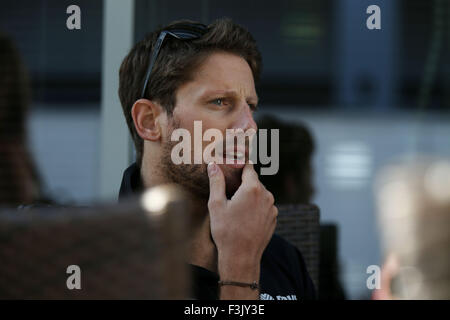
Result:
[147,119]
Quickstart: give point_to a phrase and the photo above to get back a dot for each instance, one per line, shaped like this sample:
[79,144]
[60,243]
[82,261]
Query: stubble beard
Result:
[193,177]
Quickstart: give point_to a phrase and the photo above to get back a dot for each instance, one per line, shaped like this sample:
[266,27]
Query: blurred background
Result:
[368,97]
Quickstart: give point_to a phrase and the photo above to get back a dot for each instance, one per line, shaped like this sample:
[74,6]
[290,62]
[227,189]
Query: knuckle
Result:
[254,189]
[275,211]
[270,197]
[213,203]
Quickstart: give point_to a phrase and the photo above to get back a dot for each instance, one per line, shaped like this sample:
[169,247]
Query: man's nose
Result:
[245,119]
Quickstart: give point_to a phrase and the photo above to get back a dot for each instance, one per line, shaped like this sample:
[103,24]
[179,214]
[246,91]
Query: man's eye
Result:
[218,101]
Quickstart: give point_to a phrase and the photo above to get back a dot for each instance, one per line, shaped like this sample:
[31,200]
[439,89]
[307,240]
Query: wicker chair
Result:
[299,224]
[133,250]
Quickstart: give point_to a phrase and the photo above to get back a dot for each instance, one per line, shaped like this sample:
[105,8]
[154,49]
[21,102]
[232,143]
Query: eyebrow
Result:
[233,93]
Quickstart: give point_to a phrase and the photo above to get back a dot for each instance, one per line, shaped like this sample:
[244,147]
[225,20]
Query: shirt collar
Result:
[131,182]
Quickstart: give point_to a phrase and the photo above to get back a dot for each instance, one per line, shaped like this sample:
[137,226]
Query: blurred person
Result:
[294,184]
[208,73]
[19,180]
[414,217]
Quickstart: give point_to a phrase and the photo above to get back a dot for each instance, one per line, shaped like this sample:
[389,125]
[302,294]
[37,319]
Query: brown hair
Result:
[14,92]
[19,179]
[175,64]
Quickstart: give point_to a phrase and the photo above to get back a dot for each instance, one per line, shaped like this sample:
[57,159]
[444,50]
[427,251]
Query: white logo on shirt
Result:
[266,296]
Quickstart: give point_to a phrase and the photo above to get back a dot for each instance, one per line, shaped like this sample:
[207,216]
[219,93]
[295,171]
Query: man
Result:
[188,72]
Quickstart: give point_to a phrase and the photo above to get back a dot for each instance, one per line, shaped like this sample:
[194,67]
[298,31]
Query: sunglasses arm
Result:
[152,60]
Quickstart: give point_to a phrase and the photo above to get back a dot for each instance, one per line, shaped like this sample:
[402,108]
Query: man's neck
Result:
[202,250]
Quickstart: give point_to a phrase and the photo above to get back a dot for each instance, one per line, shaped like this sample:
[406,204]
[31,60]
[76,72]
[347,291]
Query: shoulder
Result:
[279,247]
[284,271]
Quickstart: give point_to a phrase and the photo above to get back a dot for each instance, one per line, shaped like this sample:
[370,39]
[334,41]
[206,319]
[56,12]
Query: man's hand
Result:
[240,227]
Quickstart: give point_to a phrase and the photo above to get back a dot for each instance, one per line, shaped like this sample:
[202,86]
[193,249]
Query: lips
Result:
[235,158]
[235,155]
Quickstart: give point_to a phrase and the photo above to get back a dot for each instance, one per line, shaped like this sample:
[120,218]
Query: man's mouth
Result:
[238,155]
[235,158]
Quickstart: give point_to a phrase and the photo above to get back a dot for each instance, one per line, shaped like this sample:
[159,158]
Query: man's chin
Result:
[233,179]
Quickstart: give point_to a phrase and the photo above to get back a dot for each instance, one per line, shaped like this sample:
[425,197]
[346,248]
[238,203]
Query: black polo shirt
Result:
[283,270]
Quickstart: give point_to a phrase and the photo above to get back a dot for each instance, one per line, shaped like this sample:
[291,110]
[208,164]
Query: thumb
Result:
[216,184]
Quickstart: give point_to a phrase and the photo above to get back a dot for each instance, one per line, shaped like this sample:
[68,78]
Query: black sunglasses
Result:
[185,31]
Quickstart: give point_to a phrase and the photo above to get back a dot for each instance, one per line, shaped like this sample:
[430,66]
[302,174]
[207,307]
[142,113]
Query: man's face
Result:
[222,96]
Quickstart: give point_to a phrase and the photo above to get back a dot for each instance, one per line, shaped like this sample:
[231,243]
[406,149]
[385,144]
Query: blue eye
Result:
[218,101]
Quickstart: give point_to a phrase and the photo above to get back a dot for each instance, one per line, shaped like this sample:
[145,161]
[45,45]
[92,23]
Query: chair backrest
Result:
[132,250]
[299,224]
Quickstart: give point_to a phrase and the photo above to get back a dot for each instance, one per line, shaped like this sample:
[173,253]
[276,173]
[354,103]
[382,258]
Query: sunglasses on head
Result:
[184,31]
